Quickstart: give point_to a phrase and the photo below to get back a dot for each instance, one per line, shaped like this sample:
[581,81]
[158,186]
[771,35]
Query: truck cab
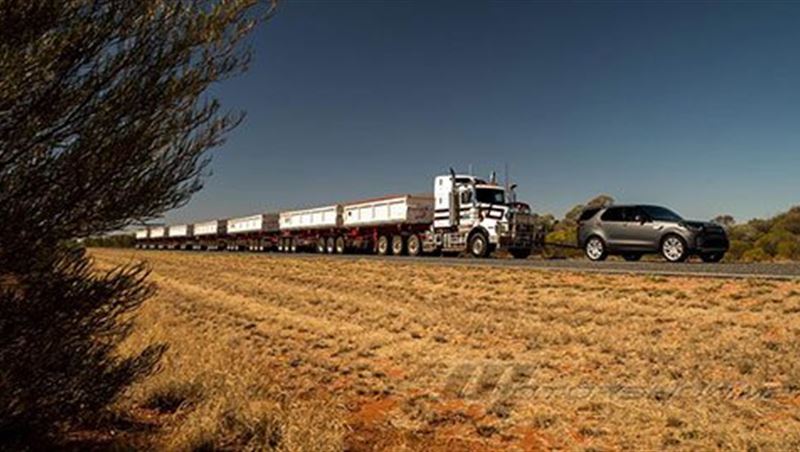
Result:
[481,216]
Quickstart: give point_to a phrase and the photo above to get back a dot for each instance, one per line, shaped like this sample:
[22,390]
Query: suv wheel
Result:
[595,249]
[673,248]
[712,258]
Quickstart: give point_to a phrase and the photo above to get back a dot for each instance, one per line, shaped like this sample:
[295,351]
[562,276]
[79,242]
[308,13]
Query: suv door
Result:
[645,233]
[642,233]
[612,221]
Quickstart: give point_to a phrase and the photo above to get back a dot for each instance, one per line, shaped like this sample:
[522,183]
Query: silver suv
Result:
[634,230]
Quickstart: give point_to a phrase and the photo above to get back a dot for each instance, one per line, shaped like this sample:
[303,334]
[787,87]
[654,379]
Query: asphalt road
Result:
[720,270]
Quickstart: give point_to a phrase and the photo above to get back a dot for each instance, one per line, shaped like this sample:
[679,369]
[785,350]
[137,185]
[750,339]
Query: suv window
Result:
[588,213]
[614,214]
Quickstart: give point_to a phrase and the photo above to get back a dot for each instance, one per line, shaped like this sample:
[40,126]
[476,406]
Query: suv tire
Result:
[673,248]
[595,249]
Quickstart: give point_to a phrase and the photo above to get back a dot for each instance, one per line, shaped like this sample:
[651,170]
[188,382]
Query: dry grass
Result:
[315,354]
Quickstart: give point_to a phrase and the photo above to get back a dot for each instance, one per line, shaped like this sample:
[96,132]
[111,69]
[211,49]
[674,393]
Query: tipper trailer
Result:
[464,213]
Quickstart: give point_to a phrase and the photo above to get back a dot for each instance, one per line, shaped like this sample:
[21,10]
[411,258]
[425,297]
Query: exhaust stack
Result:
[455,207]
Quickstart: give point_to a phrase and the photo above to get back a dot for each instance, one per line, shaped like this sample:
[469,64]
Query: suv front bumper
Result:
[708,243]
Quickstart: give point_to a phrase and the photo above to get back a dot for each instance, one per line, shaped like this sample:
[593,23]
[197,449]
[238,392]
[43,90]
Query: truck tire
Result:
[479,244]
[321,245]
[414,245]
[398,245]
[383,245]
[340,245]
[330,246]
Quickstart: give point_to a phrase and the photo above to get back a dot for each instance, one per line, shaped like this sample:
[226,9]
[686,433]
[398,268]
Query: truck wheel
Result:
[479,245]
[397,245]
[321,245]
[383,245]
[673,248]
[340,245]
[330,247]
[414,245]
[520,253]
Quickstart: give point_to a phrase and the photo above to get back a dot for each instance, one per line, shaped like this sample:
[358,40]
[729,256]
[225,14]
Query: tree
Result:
[726,221]
[104,121]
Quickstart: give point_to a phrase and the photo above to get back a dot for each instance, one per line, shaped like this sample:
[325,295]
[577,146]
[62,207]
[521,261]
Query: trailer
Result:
[465,214]
[253,233]
[142,236]
[158,235]
[179,236]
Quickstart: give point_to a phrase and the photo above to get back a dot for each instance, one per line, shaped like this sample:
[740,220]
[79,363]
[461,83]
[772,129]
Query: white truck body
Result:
[212,227]
[316,218]
[410,209]
[266,222]
[180,230]
[158,232]
[142,234]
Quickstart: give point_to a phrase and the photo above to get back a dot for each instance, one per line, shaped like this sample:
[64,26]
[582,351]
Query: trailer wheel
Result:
[414,245]
[321,245]
[340,245]
[331,245]
[479,245]
[398,247]
[383,245]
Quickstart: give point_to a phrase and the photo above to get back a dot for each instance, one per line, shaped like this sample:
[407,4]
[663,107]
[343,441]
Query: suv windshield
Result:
[657,213]
[490,196]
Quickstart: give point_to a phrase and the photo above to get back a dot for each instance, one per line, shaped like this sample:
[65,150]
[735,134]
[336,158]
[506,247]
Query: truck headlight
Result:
[509,215]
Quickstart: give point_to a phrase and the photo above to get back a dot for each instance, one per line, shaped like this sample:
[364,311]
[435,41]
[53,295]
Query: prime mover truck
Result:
[464,214]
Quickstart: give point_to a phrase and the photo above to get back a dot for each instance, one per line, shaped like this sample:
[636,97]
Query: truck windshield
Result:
[490,196]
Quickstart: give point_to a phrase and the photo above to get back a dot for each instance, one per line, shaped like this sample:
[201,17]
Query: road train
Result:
[465,214]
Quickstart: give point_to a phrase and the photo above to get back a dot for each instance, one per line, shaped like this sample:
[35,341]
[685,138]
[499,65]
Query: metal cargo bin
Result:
[405,209]
[180,230]
[142,234]
[157,233]
[319,217]
[212,227]
[265,222]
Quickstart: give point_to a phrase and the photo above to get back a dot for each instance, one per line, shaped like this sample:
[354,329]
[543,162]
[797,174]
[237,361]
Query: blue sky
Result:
[695,106]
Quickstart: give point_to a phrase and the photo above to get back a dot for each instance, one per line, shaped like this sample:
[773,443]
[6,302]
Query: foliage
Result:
[104,122]
[774,239]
